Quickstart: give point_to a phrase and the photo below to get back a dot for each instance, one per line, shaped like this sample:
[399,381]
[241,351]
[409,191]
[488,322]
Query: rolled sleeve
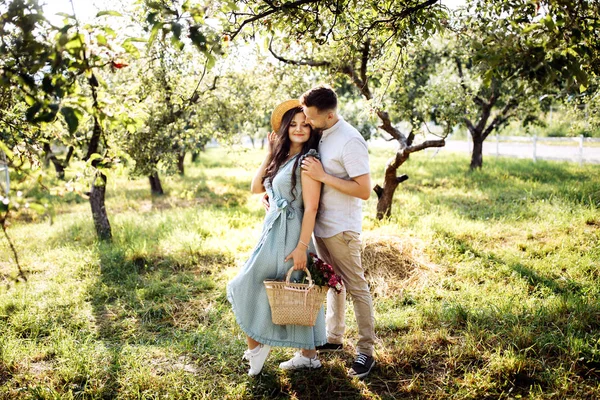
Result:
[355,156]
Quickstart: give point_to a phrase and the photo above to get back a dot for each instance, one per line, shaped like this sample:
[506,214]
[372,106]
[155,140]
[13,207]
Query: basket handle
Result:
[306,271]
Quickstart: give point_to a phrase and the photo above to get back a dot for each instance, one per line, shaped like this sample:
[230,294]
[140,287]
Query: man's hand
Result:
[299,257]
[265,202]
[313,168]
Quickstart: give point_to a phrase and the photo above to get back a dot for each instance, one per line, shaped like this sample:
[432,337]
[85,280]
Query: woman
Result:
[284,242]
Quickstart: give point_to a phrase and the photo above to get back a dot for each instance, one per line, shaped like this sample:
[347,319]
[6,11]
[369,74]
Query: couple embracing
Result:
[316,162]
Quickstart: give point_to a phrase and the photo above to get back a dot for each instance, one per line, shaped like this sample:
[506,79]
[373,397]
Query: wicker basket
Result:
[295,303]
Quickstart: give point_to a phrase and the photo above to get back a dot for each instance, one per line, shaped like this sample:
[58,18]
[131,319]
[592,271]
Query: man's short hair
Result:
[322,97]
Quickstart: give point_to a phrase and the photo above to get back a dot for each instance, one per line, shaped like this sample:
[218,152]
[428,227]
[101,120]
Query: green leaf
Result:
[130,48]
[6,150]
[75,43]
[30,100]
[109,31]
[32,111]
[155,5]
[151,19]
[48,115]
[62,14]
[198,38]
[65,29]
[63,39]
[176,29]
[93,157]
[210,61]
[47,84]
[157,27]
[177,43]
[136,39]
[109,12]
[131,128]
[549,22]
[71,118]
[101,39]
[487,77]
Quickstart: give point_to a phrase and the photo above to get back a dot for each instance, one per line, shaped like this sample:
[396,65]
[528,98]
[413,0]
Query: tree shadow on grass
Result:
[558,333]
[560,286]
[145,301]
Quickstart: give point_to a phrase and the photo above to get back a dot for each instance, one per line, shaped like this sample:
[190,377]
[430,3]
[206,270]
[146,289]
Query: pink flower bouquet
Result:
[322,273]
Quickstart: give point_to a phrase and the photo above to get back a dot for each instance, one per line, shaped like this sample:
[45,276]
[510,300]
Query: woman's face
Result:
[299,130]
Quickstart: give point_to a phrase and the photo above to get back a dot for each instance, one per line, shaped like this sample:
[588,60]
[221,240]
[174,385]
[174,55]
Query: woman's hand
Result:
[299,257]
[271,138]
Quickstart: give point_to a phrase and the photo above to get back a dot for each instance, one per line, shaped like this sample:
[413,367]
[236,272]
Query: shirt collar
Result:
[335,127]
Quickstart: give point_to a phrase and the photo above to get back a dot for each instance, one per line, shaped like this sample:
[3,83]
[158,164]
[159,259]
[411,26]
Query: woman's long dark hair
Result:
[282,146]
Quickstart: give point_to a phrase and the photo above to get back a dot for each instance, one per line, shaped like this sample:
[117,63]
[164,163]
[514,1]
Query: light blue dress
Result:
[280,235]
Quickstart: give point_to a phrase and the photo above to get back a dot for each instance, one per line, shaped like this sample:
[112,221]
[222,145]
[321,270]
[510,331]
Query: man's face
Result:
[316,119]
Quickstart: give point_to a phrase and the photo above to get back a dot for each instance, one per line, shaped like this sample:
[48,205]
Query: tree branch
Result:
[400,16]
[363,63]
[12,246]
[426,144]
[501,118]
[460,74]
[311,63]
[285,6]
[469,124]
[418,7]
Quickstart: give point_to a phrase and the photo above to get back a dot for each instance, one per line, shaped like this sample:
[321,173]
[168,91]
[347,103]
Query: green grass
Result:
[508,308]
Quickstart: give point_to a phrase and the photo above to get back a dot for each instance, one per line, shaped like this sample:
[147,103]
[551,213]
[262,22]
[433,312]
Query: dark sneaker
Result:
[361,366]
[329,347]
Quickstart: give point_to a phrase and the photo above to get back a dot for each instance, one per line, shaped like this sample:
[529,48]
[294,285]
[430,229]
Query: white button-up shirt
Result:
[344,154]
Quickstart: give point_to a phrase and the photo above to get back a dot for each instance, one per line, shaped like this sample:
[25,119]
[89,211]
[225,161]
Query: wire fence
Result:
[579,149]
[573,149]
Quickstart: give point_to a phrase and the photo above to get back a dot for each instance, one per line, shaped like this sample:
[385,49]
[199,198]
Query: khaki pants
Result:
[343,252]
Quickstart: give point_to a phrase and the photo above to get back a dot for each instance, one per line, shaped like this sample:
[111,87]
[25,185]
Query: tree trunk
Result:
[477,154]
[252,141]
[155,185]
[180,160]
[97,195]
[386,195]
[47,154]
[59,165]
[60,169]
[94,140]
[195,155]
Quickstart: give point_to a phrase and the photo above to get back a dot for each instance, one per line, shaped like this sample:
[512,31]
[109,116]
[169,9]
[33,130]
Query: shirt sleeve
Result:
[355,156]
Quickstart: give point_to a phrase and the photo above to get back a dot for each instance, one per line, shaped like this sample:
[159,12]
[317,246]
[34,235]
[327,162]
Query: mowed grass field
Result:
[495,294]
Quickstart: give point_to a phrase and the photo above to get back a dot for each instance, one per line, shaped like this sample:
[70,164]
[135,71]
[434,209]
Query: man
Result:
[344,172]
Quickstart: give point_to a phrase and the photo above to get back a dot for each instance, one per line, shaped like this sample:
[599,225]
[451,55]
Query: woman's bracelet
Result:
[303,243]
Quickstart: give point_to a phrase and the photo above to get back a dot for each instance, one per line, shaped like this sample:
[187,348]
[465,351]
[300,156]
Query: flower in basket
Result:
[322,273]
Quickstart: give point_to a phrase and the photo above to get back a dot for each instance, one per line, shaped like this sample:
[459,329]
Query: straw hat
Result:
[281,109]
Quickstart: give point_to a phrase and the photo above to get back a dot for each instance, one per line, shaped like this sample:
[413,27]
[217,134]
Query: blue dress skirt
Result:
[279,237]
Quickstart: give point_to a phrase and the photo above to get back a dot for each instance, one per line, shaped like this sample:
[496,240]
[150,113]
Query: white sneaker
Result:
[257,357]
[299,361]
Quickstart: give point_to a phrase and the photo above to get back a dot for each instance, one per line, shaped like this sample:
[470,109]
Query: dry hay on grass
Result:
[392,263]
